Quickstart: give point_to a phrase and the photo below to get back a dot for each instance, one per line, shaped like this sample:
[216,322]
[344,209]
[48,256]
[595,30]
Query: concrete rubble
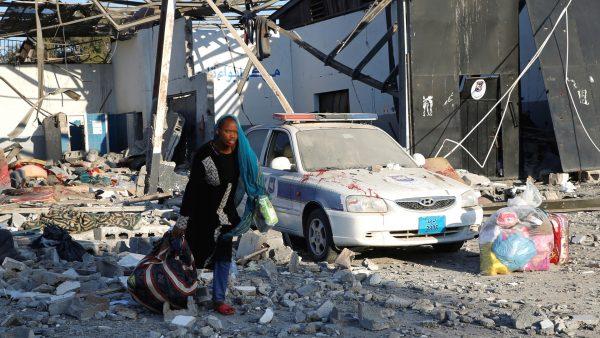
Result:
[279,291]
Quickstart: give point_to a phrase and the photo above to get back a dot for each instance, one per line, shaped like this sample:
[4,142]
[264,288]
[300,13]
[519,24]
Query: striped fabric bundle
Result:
[166,275]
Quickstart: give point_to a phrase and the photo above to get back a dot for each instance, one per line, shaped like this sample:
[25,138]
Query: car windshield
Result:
[349,148]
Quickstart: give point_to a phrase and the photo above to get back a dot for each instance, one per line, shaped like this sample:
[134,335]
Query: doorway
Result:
[185,106]
[478,94]
[334,102]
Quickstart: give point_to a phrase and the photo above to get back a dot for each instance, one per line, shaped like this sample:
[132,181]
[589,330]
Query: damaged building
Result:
[395,155]
[423,100]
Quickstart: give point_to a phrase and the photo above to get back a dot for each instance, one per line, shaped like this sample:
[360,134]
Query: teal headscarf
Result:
[251,177]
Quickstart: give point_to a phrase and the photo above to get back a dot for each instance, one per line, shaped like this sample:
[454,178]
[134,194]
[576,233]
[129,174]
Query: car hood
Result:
[387,183]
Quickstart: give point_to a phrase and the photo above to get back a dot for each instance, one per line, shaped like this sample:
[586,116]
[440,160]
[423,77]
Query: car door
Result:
[279,183]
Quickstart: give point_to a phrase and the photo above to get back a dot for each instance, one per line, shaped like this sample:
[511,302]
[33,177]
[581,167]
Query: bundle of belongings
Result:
[166,275]
[523,237]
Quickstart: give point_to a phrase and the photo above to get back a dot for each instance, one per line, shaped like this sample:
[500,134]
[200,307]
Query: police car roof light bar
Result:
[325,117]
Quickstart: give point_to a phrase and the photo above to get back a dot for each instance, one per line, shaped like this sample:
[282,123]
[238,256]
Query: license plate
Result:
[432,225]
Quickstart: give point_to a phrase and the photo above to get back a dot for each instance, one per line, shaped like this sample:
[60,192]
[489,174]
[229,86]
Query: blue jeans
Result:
[220,280]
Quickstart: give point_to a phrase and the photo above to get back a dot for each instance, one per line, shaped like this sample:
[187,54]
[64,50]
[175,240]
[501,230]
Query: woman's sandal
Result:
[224,309]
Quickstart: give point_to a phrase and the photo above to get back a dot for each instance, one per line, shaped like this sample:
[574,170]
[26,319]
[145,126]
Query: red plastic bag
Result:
[560,227]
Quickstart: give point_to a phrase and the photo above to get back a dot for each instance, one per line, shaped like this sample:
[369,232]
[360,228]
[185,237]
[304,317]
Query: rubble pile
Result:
[274,294]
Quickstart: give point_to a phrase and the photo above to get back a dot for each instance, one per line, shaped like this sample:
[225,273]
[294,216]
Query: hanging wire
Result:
[514,85]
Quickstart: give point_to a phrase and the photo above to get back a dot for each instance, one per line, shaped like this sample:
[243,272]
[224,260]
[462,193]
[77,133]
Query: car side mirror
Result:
[419,159]
[281,163]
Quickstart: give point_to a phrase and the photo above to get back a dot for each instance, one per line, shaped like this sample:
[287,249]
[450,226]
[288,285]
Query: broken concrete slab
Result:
[324,311]
[18,220]
[86,308]
[19,332]
[190,310]
[249,243]
[214,322]
[252,242]
[131,260]
[268,269]
[141,245]
[245,290]
[558,179]
[307,290]
[525,318]
[294,264]
[71,273]
[13,264]
[267,317]
[281,255]
[108,268]
[546,326]
[67,286]
[344,259]
[370,318]
[58,305]
[184,321]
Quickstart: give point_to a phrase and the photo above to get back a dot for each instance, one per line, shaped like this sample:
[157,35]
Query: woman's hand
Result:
[181,225]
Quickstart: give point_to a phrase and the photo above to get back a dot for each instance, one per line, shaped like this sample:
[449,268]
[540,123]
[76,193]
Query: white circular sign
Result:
[478,89]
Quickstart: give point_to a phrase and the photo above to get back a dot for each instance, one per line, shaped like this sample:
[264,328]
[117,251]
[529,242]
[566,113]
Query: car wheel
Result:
[448,247]
[319,240]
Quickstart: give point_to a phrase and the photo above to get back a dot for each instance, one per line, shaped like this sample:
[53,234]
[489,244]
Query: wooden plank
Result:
[40,54]
[159,94]
[265,74]
[45,210]
[148,198]
[557,206]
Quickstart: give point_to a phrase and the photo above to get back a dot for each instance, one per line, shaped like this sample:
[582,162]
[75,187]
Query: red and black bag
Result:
[166,275]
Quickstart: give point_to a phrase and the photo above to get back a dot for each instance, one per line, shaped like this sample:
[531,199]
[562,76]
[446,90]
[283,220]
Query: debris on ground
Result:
[276,291]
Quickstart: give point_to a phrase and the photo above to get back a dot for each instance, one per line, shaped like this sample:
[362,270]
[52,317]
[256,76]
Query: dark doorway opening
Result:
[478,94]
[334,102]
[185,106]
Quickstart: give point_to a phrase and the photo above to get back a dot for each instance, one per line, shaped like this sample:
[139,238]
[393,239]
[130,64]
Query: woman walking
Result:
[208,211]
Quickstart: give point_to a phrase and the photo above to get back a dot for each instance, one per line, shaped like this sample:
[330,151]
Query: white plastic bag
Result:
[530,197]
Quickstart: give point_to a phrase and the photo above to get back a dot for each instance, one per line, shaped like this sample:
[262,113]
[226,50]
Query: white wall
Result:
[212,56]
[302,76]
[134,63]
[92,82]
[311,77]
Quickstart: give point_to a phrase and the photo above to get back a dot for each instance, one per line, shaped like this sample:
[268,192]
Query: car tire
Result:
[449,247]
[318,237]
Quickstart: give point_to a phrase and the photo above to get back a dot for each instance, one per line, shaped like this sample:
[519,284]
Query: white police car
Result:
[337,183]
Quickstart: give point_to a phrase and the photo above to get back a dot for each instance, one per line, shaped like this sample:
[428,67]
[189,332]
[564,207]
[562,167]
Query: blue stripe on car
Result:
[308,193]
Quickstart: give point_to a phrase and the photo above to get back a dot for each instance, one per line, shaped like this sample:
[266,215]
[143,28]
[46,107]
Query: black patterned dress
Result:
[208,201]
